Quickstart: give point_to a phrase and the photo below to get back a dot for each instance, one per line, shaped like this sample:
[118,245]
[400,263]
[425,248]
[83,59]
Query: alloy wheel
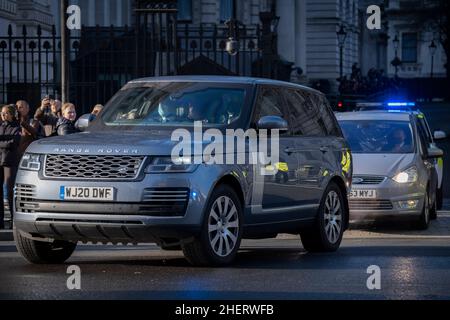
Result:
[333,217]
[427,209]
[223,226]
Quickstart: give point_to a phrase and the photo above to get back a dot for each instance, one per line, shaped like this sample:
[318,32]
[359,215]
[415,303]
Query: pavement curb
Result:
[6,235]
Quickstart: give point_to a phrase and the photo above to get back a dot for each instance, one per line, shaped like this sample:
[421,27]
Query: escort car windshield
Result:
[389,137]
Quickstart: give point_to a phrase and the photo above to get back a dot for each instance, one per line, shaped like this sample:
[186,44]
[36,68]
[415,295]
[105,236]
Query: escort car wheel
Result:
[424,219]
[327,233]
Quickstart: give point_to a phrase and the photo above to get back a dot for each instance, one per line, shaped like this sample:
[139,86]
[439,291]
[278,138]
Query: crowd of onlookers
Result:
[18,129]
[375,82]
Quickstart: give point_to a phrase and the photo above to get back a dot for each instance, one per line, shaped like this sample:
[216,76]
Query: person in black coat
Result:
[9,144]
[66,124]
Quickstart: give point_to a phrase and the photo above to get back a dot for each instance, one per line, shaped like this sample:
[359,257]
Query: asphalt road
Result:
[413,264]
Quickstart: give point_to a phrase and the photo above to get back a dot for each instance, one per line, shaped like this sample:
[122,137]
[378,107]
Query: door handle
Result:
[324,149]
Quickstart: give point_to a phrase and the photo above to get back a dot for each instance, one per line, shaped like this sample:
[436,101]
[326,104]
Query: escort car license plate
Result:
[363,194]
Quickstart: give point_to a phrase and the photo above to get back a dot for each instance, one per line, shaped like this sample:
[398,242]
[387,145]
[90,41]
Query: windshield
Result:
[175,104]
[369,136]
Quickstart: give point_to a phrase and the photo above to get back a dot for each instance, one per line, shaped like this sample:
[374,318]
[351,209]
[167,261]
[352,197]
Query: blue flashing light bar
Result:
[401,104]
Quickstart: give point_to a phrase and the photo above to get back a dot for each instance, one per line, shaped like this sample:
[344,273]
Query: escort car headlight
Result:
[30,162]
[169,165]
[407,176]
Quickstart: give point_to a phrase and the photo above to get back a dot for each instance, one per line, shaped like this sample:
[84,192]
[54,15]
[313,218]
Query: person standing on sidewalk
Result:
[48,115]
[30,127]
[95,112]
[66,124]
[9,144]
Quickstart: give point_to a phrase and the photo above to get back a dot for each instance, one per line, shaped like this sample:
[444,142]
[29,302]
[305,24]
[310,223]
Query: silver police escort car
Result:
[394,165]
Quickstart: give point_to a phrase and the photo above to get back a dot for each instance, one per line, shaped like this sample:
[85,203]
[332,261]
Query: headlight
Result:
[30,162]
[169,165]
[407,176]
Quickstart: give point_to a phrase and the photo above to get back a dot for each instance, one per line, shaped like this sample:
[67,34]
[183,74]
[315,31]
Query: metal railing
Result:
[102,59]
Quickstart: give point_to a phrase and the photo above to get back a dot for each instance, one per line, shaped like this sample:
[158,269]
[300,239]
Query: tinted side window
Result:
[330,120]
[296,105]
[269,103]
[425,130]
[422,140]
[306,115]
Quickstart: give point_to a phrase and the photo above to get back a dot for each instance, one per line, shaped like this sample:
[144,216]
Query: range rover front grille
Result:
[93,167]
[25,196]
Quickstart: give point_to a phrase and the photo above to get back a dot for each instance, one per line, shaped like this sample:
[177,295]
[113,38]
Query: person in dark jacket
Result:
[31,128]
[66,124]
[9,143]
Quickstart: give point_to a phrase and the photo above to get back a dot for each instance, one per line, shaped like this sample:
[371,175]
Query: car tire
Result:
[434,209]
[38,252]
[221,232]
[440,198]
[328,230]
[424,219]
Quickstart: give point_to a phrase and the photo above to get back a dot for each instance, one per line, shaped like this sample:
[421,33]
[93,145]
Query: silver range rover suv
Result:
[119,181]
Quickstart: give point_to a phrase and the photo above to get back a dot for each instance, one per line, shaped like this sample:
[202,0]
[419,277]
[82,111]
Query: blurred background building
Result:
[293,40]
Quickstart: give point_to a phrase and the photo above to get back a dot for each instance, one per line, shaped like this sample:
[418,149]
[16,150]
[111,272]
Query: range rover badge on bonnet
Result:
[100,150]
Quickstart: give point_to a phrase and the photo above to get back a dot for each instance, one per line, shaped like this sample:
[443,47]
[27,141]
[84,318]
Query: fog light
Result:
[410,204]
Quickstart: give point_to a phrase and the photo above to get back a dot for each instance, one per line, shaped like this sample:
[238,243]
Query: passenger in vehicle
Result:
[233,105]
[197,112]
[167,111]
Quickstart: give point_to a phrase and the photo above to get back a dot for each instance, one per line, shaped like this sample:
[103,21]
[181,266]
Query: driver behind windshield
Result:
[398,142]
[378,136]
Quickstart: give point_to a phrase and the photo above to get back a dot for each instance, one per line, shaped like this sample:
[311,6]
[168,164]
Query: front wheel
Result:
[221,233]
[38,252]
[440,199]
[424,219]
[328,230]
[434,209]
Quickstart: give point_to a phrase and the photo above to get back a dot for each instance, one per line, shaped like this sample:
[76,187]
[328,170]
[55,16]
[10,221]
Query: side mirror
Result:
[83,122]
[440,135]
[272,123]
[434,153]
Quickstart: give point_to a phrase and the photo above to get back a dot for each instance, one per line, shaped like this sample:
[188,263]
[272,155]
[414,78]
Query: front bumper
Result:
[390,200]
[101,229]
[121,221]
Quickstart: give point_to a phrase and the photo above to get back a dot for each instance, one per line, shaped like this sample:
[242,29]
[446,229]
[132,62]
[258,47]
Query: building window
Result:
[227,9]
[409,47]
[184,10]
